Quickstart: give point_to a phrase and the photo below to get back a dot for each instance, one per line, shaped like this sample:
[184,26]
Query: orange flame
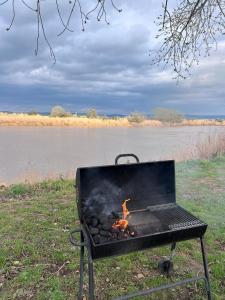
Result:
[122,223]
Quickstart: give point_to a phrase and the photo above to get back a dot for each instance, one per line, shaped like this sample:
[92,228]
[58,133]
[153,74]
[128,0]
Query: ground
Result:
[38,262]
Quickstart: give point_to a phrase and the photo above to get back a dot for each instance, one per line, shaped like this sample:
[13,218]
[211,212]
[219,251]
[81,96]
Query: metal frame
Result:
[84,242]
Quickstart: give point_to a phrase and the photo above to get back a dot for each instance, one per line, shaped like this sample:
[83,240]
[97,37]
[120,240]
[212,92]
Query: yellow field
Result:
[15,119]
[74,121]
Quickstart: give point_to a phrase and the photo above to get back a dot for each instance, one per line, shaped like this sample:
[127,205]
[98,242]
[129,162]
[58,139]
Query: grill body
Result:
[154,213]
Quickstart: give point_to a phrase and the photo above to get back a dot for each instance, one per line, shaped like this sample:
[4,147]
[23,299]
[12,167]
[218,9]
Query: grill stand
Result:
[84,242]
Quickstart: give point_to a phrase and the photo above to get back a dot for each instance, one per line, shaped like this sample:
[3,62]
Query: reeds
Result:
[206,148]
[203,122]
[72,121]
[17,119]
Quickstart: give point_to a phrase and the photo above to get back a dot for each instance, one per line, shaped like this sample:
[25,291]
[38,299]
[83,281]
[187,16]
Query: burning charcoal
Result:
[105,233]
[94,222]
[93,230]
[96,239]
[102,240]
[115,230]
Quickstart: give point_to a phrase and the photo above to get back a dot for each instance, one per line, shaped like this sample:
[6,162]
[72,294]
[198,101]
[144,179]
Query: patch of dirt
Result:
[220,244]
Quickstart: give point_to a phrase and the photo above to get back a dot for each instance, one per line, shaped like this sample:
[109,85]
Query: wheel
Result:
[165,266]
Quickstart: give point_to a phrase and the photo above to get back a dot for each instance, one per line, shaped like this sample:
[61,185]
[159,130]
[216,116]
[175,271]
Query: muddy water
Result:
[35,153]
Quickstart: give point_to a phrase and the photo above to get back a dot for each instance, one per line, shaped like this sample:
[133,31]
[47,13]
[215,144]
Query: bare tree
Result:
[186,32]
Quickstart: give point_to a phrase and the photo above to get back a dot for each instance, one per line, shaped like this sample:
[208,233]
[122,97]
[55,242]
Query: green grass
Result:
[38,262]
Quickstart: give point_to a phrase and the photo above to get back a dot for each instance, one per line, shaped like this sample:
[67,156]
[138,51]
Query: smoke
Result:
[103,199]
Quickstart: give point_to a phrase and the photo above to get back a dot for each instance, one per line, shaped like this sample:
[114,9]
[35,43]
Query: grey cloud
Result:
[106,67]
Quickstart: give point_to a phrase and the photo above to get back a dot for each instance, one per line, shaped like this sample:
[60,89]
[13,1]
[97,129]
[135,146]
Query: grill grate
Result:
[175,217]
[162,218]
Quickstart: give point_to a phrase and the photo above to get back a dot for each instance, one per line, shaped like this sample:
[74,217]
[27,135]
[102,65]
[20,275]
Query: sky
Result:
[106,67]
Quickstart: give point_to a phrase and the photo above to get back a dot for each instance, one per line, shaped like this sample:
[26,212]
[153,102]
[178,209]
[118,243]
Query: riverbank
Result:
[38,262]
[15,119]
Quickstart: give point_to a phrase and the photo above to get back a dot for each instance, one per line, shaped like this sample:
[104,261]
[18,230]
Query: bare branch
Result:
[4,2]
[100,8]
[28,6]
[187,32]
[68,20]
[60,16]
[13,17]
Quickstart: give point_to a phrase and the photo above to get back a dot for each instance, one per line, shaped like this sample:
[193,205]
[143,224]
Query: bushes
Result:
[167,115]
[92,113]
[136,117]
[32,113]
[59,111]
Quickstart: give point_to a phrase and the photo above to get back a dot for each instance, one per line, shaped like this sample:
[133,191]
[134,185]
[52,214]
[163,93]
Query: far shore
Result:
[17,119]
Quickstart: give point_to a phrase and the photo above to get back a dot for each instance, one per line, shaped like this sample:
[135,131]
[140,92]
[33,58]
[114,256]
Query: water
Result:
[35,153]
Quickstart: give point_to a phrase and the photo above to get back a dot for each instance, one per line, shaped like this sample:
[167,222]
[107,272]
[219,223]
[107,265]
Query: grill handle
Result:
[126,155]
[73,239]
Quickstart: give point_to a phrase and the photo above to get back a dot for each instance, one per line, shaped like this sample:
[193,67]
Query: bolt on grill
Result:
[130,207]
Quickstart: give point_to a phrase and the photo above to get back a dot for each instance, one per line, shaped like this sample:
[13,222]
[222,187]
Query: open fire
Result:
[104,228]
[122,223]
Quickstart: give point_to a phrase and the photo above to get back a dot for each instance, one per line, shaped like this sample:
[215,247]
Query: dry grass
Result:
[16,119]
[74,121]
[203,122]
[211,146]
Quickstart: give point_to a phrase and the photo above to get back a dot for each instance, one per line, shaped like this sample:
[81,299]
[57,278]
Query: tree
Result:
[92,113]
[59,111]
[136,117]
[186,32]
[167,115]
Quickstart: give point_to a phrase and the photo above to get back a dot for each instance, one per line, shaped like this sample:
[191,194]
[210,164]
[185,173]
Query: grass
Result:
[17,119]
[38,262]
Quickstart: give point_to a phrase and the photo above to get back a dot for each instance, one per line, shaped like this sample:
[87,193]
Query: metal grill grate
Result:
[176,217]
[162,218]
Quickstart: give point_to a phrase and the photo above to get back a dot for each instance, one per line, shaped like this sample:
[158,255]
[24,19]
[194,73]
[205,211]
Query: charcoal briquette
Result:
[102,239]
[88,220]
[114,236]
[120,235]
[115,215]
[94,222]
[115,230]
[105,233]
[96,239]
[106,227]
[93,230]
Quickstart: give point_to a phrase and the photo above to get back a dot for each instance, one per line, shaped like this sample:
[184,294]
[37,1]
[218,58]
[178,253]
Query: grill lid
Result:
[104,188]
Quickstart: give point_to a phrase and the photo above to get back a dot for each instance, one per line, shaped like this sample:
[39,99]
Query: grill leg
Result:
[81,268]
[205,263]
[91,278]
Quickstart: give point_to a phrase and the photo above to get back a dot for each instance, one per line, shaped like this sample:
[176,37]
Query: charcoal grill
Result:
[155,217]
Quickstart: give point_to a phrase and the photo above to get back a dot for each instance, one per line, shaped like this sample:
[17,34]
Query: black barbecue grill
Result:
[154,217]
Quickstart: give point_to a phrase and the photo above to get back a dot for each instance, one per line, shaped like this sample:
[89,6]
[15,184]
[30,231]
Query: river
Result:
[36,153]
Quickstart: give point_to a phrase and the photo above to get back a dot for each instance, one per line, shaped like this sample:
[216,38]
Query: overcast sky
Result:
[105,67]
